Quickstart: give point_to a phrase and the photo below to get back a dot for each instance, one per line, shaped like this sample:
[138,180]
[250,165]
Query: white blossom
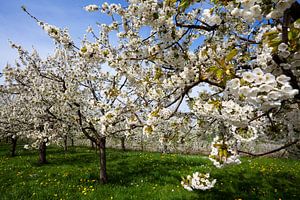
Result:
[91,8]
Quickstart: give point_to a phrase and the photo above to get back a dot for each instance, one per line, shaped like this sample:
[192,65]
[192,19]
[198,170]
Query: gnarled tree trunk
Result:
[123,143]
[42,153]
[65,143]
[102,156]
[142,142]
[14,146]
[92,144]
[165,149]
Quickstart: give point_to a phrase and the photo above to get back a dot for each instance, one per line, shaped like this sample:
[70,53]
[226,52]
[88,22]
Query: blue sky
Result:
[21,29]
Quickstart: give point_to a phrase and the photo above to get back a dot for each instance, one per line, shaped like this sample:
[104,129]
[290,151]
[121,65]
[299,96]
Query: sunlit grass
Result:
[139,175]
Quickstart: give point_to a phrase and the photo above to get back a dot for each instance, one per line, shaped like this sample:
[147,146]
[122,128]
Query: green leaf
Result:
[83,49]
[217,145]
[275,43]
[272,37]
[297,21]
[231,54]
[270,33]
[212,69]
[225,153]
[158,73]
[170,2]
[220,153]
[217,104]
[219,73]
[292,35]
[184,4]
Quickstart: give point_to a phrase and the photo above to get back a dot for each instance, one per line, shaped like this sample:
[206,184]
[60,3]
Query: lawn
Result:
[141,175]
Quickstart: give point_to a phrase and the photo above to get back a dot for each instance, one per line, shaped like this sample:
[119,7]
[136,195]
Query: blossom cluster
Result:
[60,36]
[261,89]
[228,111]
[221,153]
[250,10]
[279,9]
[244,134]
[187,76]
[91,8]
[211,19]
[198,181]
[154,118]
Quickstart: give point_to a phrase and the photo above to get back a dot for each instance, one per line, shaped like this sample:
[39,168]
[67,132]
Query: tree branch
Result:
[269,152]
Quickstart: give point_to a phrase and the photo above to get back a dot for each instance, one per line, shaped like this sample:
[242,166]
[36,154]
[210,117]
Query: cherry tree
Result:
[245,52]
[11,125]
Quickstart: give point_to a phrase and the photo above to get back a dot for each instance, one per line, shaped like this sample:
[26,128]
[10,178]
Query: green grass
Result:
[137,175]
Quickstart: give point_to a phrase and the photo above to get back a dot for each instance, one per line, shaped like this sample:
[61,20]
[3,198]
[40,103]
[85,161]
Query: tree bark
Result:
[142,142]
[165,149]
[92,144]
[270,152]
[123,143]
[14,146]
[102,156]
[42,153]
[65,143]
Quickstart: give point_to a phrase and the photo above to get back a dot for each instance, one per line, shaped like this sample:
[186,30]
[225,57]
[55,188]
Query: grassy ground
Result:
[136,175]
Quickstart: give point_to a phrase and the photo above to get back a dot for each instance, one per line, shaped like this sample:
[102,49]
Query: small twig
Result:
[33,17]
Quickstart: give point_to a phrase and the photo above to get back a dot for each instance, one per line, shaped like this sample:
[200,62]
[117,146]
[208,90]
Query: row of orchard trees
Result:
[245,53]
[65,92]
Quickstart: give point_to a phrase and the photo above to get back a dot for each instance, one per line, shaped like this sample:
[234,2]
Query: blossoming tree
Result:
[10,124]
[245,52]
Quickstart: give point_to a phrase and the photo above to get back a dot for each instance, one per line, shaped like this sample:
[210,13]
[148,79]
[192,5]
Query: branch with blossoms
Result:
[205,27]
[60,36]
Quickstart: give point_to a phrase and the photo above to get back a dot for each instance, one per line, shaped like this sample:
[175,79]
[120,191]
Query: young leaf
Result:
[231,54]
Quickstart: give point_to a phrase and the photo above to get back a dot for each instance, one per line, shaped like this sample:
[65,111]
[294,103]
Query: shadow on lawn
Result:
[80,160]
[233,182]
[155,170]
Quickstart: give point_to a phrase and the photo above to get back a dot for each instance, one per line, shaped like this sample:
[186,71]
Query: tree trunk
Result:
[42,153]
[123,143]
[142,142]
[72,142]
[14,146]
[92,144]
[165,148]
[102,156]
[65,143]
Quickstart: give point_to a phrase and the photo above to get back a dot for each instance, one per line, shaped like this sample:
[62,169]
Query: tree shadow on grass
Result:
[155,171]
[233,182]
[78,160]
[238,182]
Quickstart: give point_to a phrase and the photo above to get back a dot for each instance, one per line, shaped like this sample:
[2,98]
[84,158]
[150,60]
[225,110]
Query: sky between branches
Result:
[21,29]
